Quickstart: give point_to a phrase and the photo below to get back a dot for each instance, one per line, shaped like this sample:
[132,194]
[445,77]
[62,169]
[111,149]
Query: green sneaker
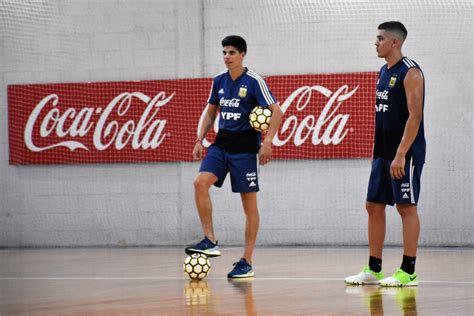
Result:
[400,278]
[366,276]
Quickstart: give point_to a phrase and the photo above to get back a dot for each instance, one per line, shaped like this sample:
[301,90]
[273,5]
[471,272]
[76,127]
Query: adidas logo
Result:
[252,184]
[221,91]
[405,196]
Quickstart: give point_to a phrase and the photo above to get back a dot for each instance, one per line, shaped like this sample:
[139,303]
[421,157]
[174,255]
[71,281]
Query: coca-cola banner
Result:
[325,116]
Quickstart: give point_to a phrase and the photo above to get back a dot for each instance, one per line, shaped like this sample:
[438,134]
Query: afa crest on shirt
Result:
[243,92]
[392,81]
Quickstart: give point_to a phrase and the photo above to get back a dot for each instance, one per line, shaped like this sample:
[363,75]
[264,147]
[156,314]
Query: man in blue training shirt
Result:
[398,157]
[233,95]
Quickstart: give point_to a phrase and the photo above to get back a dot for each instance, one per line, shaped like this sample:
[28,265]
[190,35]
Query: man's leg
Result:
[379,190]
[406,276]
[243,268]
[406,192]
[372,273]
[411,228]
[411,232]
[376,228]
[202,184]
[244,179]
[249,203]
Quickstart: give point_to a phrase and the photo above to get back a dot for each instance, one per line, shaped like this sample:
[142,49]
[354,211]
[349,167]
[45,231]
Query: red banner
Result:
[325,116]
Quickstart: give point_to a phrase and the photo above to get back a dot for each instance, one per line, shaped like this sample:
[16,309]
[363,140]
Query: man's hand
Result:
[265,153]
[397,168]
[197,151]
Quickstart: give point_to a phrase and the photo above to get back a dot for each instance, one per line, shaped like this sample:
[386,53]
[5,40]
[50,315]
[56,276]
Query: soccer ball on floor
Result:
[259,118]
[197,266]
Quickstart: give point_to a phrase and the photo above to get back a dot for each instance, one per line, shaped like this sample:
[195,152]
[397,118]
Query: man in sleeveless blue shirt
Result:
[234,93]
[398,157]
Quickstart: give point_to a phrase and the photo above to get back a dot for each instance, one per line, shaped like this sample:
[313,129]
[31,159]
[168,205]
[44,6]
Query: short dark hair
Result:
[394,26]
[237,41]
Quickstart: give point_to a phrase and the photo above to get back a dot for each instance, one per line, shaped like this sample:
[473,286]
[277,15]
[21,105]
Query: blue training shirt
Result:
[392,113]
[236,98]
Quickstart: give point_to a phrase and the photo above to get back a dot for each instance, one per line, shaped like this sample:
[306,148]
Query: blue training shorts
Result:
[383,189]
[242,168]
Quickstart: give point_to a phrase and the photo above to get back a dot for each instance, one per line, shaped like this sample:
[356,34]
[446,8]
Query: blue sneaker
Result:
[205,246]
[241,270]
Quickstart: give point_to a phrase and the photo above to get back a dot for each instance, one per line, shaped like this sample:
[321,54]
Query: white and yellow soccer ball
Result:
[196,266]
[260,118]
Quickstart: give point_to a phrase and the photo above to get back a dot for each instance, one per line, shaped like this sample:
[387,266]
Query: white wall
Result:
[301,202]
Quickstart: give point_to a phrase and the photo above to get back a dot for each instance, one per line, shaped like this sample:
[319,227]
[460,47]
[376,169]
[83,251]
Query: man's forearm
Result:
[274,124]
[411,130]
[207,124]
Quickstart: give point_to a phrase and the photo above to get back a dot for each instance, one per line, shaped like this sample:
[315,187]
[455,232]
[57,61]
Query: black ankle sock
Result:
[375,264]
[408,264]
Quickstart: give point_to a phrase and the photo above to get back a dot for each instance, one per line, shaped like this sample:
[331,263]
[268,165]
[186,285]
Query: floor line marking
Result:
[181,278]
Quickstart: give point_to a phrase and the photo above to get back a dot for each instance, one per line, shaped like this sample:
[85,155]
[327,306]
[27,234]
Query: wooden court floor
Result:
[288,281]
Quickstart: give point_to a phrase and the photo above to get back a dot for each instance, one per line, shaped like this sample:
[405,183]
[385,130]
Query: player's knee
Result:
[374,209]
[369,207]
[406,210]
[200,183]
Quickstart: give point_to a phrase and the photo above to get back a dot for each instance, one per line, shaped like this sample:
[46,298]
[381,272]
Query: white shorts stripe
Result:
[258,166]
[412,170]
[263,87]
